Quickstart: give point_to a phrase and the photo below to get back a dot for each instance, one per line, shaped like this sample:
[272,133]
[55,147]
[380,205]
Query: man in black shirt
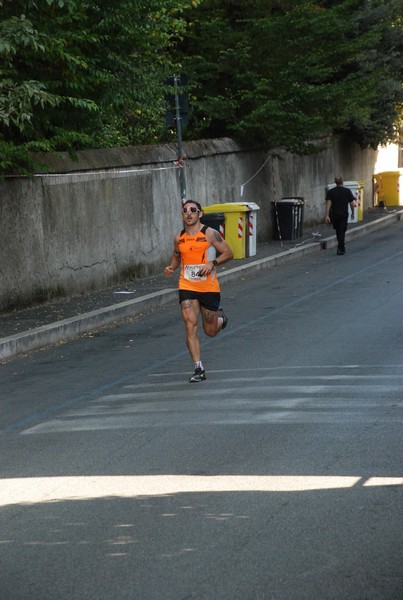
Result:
[337,200]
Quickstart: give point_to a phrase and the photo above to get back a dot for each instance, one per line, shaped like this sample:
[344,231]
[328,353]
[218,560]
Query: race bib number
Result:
[191,273]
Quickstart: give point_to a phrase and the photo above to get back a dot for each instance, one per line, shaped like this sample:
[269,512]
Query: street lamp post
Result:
[178,112]
[178,118]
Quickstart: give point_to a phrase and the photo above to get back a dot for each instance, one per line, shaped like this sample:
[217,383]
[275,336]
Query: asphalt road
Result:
[279,478]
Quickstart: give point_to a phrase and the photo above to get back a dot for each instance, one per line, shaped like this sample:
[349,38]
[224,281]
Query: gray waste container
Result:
[215,220]
[288,218]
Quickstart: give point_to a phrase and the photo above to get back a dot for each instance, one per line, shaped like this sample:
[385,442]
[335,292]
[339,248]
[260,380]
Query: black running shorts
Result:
[209,300]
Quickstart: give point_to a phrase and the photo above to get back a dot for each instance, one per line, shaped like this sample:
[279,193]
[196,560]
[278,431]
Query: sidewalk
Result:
[52,322]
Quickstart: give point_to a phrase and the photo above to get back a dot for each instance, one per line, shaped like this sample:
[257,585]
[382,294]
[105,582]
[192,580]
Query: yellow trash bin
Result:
[387,188]
[236,228]
[357,188]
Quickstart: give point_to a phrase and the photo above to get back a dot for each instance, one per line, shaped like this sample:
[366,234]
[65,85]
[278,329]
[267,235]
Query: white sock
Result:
[199,365]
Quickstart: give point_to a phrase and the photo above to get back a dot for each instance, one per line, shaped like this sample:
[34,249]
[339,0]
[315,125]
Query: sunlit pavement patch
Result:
[34,490]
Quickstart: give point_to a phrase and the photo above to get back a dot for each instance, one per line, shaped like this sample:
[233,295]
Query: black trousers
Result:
[340,226]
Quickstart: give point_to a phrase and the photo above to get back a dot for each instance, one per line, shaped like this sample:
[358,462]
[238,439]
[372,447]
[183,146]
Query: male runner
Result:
[195,250]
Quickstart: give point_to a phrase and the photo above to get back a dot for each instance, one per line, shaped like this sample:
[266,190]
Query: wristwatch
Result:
[215,263]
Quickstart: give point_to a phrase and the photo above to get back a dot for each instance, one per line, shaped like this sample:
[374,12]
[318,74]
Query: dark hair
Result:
[193,202]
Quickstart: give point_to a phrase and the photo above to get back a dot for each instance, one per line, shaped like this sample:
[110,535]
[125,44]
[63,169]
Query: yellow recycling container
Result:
[236,227]
[357,188]
[388,188]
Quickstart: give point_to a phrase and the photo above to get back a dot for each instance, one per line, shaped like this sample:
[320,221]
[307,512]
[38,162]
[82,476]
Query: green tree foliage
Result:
[83,73]
[381,64]
[288,72]
[44,77]
[80,74]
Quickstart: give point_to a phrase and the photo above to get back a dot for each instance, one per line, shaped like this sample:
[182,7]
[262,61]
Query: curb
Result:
[74,326]
[318,246]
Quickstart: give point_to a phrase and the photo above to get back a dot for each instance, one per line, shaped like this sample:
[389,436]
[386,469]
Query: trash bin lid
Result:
[352,184]
[250,205]
[227,207]
[347,184]
[388,173]
[296,201]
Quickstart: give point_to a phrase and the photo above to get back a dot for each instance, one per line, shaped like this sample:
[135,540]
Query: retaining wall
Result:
[112,214]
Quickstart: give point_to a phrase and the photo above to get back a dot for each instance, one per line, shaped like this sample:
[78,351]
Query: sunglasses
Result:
[189,209]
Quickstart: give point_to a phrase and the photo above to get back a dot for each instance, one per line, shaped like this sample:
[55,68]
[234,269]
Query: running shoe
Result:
[199,375]
[224,318]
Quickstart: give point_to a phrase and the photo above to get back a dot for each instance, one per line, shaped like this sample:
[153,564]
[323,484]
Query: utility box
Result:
[251,235]
[288,214]
[357,187]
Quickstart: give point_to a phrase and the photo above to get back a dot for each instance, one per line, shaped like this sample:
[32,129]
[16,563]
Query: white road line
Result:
[266,398]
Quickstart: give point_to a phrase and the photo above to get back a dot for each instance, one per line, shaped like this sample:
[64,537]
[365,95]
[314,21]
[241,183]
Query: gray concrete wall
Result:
[112,214]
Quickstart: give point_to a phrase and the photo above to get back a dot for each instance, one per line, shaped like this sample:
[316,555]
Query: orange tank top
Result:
[196,251]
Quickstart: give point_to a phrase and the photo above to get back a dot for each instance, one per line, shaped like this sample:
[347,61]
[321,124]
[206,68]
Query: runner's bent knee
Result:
[210,325]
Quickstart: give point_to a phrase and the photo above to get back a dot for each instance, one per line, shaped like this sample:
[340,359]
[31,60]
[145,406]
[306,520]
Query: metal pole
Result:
[182,178]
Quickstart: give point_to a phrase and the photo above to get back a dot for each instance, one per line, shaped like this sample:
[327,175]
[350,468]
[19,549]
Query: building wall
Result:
[112,214]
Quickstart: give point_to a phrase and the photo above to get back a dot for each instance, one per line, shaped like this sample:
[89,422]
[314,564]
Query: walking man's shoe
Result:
[199,375]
